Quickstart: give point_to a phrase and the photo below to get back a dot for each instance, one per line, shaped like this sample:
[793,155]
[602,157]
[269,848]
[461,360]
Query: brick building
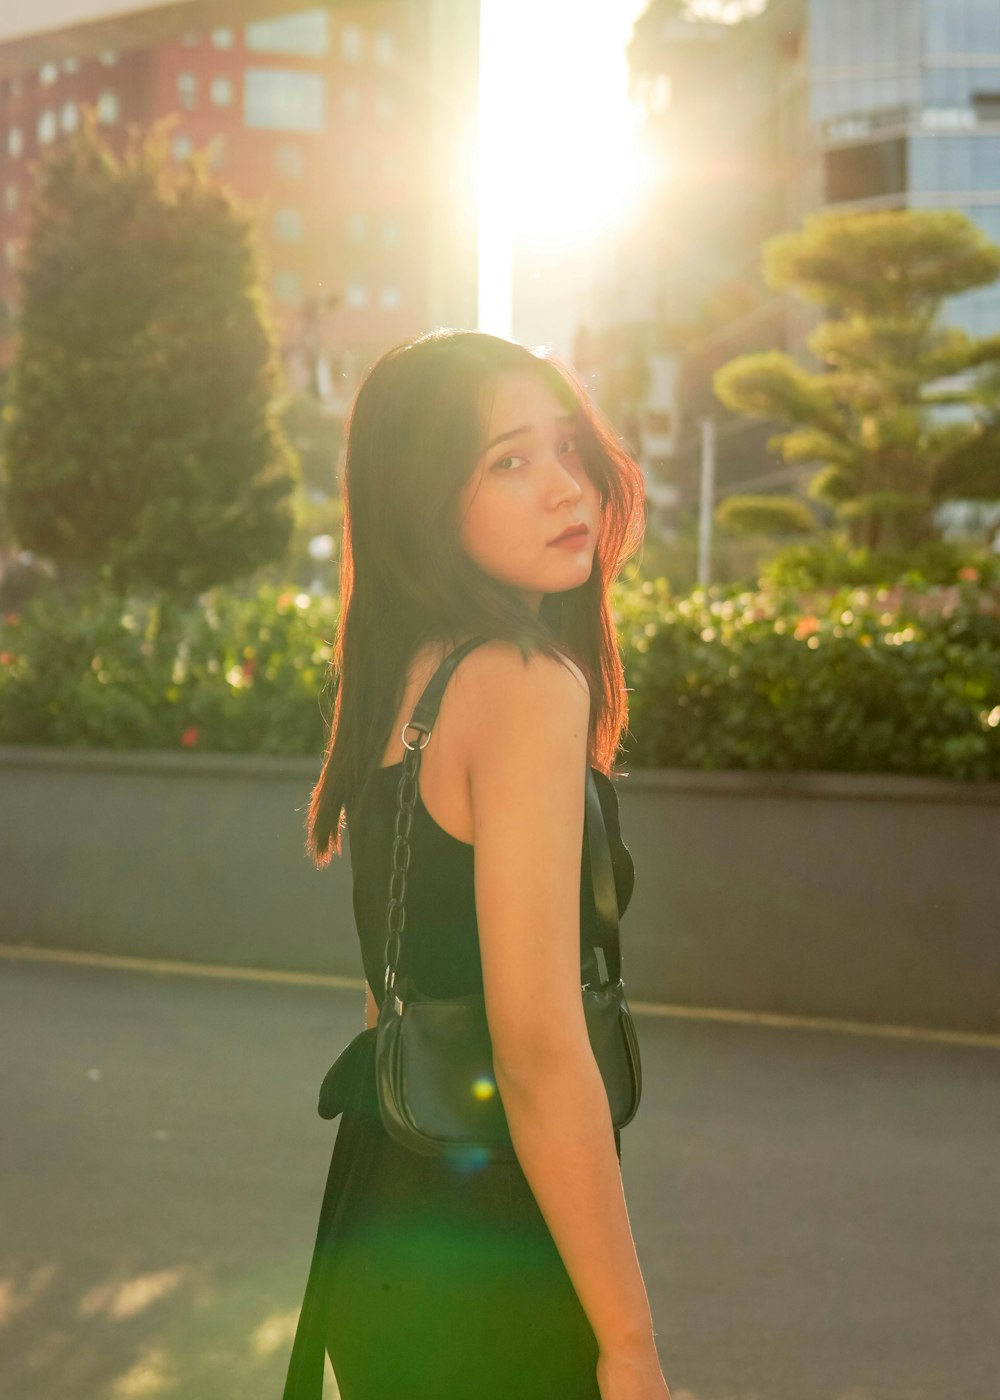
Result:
[329,122]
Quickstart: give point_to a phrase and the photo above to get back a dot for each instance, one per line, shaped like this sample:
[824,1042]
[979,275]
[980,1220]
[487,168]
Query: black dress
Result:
[429,1281]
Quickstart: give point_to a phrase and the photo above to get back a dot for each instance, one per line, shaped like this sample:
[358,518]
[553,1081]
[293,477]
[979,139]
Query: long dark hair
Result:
[415,434]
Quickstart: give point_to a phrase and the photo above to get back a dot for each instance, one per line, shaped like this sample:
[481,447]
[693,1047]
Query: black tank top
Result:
[441,938]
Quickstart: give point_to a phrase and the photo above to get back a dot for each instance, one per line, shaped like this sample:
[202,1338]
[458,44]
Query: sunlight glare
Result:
[557,132]
[726,11]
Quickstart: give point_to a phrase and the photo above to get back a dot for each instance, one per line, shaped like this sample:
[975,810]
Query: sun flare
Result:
[557,133]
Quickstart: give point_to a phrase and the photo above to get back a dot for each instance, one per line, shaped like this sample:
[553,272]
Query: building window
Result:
[865,172]
[48,74]
[221,92]
[283,99]
[356,295]
[288,287]
[288,160]
[350,100]
[948,118]
[357,228]
[954,163]
[69,117]
[47,128]
[109,57]
[10,198]
[223,38]
[287,225]
[181,147]
[187,90]
[218,151]
[389,298]
[306,34]
[108,108]
[385,106]
[383,46]
[390,233]
[352,43]
[15,141]
[986,106]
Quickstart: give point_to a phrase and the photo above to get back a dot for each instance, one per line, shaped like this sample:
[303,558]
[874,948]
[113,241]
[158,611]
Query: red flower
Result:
[248,667]
[969,573]
[190,736]
[806,627]
[7,658]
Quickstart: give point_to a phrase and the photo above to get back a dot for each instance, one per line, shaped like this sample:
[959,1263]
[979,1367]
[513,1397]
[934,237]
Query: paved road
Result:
[817,1214]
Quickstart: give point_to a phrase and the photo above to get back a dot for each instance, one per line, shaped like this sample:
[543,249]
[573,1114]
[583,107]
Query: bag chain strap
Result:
[406,797]
[406,794]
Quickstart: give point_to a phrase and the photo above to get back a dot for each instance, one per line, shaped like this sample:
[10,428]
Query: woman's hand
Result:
[632,1373]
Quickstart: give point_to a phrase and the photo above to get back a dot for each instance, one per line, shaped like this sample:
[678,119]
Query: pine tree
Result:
[142,447]
[905,413]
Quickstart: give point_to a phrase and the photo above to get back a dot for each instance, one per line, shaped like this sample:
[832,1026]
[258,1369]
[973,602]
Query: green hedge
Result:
[831,563]
[860,681]
[856,681]
[233,674]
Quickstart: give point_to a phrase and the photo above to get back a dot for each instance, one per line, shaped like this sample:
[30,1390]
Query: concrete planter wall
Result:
[868,898]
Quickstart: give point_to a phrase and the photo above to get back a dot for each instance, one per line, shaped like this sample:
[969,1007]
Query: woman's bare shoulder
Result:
[498,669]
[508,695]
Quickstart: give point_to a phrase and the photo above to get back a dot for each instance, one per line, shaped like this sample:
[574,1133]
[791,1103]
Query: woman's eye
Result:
[568,445]
[505,463]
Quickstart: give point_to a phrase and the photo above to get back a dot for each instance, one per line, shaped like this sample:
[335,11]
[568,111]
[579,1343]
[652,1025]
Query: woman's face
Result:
[526,488]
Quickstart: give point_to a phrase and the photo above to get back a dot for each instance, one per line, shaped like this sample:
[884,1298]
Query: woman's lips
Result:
[573,541]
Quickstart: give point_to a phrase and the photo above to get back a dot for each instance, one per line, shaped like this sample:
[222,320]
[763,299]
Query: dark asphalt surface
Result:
[816,1214]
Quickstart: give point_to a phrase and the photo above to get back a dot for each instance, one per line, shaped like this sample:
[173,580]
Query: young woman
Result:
[484,498]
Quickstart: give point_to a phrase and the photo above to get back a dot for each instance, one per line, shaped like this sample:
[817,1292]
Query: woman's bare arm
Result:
[527,754]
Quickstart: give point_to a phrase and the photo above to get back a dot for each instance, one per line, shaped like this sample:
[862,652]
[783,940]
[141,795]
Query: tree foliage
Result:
[852,681]
[142,447]
[765,515]
[905,413]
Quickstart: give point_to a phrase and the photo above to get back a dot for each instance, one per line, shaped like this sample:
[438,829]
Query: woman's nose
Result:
[564,483]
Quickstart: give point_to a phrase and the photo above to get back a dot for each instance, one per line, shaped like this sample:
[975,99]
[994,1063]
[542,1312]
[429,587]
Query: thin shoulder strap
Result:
[602,876]
[601,869]
[426,709]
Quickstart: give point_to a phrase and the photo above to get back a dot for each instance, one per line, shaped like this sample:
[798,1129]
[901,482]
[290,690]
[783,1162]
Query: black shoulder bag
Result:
[433,1058]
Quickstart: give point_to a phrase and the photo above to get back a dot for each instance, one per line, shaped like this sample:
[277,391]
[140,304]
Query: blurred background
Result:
[765,233]
[599,178]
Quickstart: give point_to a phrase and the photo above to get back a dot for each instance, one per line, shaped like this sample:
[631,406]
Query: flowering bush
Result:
[831,563]
[861,680]
[231,674]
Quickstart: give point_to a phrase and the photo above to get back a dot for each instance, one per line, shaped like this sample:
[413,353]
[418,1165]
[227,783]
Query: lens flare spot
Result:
[274,1332]
[150,1375]
[466,1158]
[483,1088]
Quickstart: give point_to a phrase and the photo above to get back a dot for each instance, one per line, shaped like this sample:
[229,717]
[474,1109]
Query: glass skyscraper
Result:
[905,102]
[797,107]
